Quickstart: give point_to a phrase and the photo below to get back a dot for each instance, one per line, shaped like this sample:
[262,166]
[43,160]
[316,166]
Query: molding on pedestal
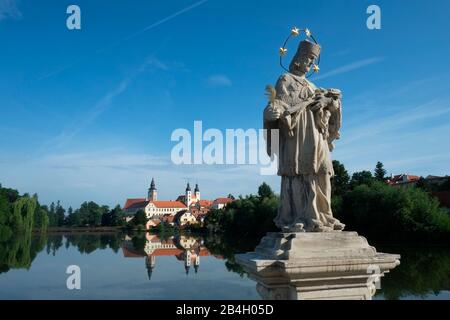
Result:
[316,266]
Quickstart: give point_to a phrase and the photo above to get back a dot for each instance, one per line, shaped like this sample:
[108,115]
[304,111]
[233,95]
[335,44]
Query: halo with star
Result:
[295,32]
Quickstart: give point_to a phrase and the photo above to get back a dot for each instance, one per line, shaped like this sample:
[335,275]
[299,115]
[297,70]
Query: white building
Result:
[190,202]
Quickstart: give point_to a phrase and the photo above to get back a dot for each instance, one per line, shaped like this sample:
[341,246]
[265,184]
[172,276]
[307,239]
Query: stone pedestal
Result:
[310,266]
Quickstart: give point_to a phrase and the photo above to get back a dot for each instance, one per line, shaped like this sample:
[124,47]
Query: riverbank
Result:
[58,230]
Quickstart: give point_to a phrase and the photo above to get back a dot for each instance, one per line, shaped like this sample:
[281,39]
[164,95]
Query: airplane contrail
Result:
[147,28]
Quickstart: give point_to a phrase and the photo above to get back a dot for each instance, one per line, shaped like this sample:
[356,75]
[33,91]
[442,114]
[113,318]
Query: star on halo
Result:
[295,32]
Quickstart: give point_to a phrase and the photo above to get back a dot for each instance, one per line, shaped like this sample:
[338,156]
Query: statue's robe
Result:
[304,161]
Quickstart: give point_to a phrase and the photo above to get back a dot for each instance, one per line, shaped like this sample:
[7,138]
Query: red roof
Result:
[132,202]
[223,200]
[174,252]
[160,252]
[127,253]
[205,203]
[169,204]
[403,178]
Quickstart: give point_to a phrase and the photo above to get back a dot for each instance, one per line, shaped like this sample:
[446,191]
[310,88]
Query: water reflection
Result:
[186,249]
[423,274]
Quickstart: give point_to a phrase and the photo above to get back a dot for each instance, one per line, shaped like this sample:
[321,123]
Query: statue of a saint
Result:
[308,119]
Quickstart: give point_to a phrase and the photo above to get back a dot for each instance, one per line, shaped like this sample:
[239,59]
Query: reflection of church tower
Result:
[197,192]
[188,195]
[187,261]
[197,262]
[152,194]
[150,263]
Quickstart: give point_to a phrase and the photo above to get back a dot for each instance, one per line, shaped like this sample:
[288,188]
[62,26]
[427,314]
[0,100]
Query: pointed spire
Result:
[188,187]
[196,188]
[152,184]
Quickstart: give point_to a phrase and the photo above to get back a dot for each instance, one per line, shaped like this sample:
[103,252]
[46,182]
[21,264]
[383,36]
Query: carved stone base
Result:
[337,265]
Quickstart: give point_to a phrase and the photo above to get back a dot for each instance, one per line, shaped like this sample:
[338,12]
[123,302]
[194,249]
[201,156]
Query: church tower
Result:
[197,192]
[152,194]
[188,195]
[150,262]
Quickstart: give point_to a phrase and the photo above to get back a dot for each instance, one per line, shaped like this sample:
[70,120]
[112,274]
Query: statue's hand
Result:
[322,102]
[319,104]
[272,113]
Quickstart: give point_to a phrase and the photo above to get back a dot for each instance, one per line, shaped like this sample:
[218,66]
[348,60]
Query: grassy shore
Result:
[53,230]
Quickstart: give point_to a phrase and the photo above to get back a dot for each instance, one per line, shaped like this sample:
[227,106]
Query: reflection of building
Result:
[188,208]
[191,258]
[183,248]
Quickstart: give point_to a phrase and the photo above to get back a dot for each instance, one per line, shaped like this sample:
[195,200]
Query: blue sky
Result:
[88,114]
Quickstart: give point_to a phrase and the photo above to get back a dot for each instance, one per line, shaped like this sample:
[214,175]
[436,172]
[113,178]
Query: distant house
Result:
[436,180]
[402,180]
[185,218]
[220,203]
[405,180]
[134,205]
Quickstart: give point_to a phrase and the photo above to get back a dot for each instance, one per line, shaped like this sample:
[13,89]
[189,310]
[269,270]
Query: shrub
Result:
[385,212]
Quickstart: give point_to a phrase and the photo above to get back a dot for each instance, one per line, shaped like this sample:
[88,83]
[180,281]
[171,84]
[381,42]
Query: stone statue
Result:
[310,258]
[308,119]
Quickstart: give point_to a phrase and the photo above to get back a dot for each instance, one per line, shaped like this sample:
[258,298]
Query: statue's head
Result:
[305,57]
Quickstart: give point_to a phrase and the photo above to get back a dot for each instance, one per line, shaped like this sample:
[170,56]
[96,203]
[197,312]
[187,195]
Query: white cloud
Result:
[103,104]
[120,41]
[110,176]
[408,141]
[9,9]
[219,80]
[166,19]
[349,67]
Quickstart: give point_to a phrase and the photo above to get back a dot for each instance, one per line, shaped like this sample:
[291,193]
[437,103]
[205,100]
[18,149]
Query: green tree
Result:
[341,179]
[361,178]
[60,214]
[90,214]
[380,172]
[265,191]
[22,218]
[140,218]
[238,217]
[423,184]
[73,217]
[52,218]
[383,212]
[445,186]
[40,217]
[113,217]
